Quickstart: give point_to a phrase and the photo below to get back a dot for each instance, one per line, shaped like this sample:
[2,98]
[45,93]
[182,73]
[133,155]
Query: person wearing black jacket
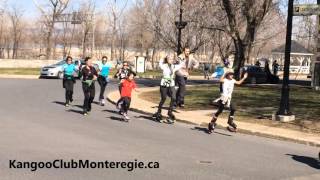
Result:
[89,76]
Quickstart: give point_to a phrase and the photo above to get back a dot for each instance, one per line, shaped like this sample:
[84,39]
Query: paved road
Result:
[34,126]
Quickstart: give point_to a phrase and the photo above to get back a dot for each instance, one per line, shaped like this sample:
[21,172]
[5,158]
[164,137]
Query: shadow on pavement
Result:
[78,106]
[205,130]
[116,118]
[96,102]
[59,102]
[111,111]
[75,111]
[146,117]
[312,162]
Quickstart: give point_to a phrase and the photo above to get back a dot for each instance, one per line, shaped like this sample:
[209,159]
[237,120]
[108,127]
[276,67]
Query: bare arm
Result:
[222,78]
[242,80]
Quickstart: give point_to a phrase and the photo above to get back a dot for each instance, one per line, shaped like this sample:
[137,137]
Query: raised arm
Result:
[222,78]
[161,64]
[242,80]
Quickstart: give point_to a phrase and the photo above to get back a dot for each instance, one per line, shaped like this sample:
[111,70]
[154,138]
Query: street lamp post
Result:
[180,25]
[316,64]
[284,109]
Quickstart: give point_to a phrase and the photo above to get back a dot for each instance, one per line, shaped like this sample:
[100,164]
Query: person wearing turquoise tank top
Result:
[104,70]
[69,69]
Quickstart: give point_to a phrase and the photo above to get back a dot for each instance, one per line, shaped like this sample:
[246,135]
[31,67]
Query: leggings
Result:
[89,93]
[125,106]
[68,85]
[103,84]
[167,91]
[221,108]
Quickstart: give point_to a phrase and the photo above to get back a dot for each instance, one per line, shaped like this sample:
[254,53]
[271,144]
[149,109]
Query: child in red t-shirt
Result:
[127,86]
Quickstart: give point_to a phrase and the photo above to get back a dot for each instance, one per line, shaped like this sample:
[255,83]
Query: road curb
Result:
[240,130]
[12,76]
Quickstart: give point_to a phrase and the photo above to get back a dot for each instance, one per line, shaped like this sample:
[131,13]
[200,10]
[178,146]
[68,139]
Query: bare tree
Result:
[253,13]
[15,15]
[51,10]
[115,15]
[87,10]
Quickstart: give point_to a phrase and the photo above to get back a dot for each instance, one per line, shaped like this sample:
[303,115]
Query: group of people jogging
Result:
[89,75]
[175,72]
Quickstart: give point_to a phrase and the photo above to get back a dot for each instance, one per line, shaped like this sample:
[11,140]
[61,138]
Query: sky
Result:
[30,10]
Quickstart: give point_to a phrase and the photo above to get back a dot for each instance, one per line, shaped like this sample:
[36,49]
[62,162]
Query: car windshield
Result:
[60,62]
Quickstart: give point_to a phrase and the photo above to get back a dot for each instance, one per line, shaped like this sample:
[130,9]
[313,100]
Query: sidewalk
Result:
[202,117]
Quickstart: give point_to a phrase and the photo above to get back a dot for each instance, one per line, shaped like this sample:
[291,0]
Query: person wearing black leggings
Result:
[89,76]
[69,70]
[225,101]
[167,87]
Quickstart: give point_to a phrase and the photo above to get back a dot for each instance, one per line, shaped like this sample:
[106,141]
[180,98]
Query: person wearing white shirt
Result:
[225,101]
[167,86]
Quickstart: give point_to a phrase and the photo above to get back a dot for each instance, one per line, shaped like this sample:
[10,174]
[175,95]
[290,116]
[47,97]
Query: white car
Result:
[55,70]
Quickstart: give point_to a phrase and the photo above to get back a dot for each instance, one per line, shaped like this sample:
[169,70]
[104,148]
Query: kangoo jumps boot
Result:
[232,126]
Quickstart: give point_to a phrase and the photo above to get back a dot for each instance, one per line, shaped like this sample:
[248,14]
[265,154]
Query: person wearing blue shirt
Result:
[104,69]
[69,69]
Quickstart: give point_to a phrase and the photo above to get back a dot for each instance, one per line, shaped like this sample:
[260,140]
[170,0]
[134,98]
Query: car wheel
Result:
[60,75]
[253,80]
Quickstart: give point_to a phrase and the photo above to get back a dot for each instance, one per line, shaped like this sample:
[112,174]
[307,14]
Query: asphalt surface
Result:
[35,126]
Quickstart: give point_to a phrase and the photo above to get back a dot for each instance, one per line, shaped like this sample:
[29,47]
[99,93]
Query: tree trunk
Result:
[48,40]
[154,51]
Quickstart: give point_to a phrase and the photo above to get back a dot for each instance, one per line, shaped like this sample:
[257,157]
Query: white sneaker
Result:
[125,115]
[103,102]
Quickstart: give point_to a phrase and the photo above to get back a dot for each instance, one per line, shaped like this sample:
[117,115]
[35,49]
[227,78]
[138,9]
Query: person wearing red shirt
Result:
[126,90]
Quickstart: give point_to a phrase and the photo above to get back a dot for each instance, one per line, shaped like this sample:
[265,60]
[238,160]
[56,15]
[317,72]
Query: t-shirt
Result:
[228,86]
[104,69]
[69,69]
[127,87]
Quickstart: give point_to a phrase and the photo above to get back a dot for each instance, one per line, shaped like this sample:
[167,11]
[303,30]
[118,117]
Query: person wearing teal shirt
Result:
[104,69]
[69,69]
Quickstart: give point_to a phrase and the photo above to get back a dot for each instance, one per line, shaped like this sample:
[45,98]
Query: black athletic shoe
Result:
[171,118]
[232,124]
[211,127]
[157,116]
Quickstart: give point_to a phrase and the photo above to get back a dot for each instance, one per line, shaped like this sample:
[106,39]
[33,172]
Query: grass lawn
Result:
[20,71]
[257,103]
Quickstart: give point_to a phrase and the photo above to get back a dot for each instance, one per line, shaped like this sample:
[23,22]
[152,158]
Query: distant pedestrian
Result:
[128,85]
[89,76]
[167,86]
[206,71]
[69,71]
[257,63]
[225,101]
[275,67]
[103,79]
